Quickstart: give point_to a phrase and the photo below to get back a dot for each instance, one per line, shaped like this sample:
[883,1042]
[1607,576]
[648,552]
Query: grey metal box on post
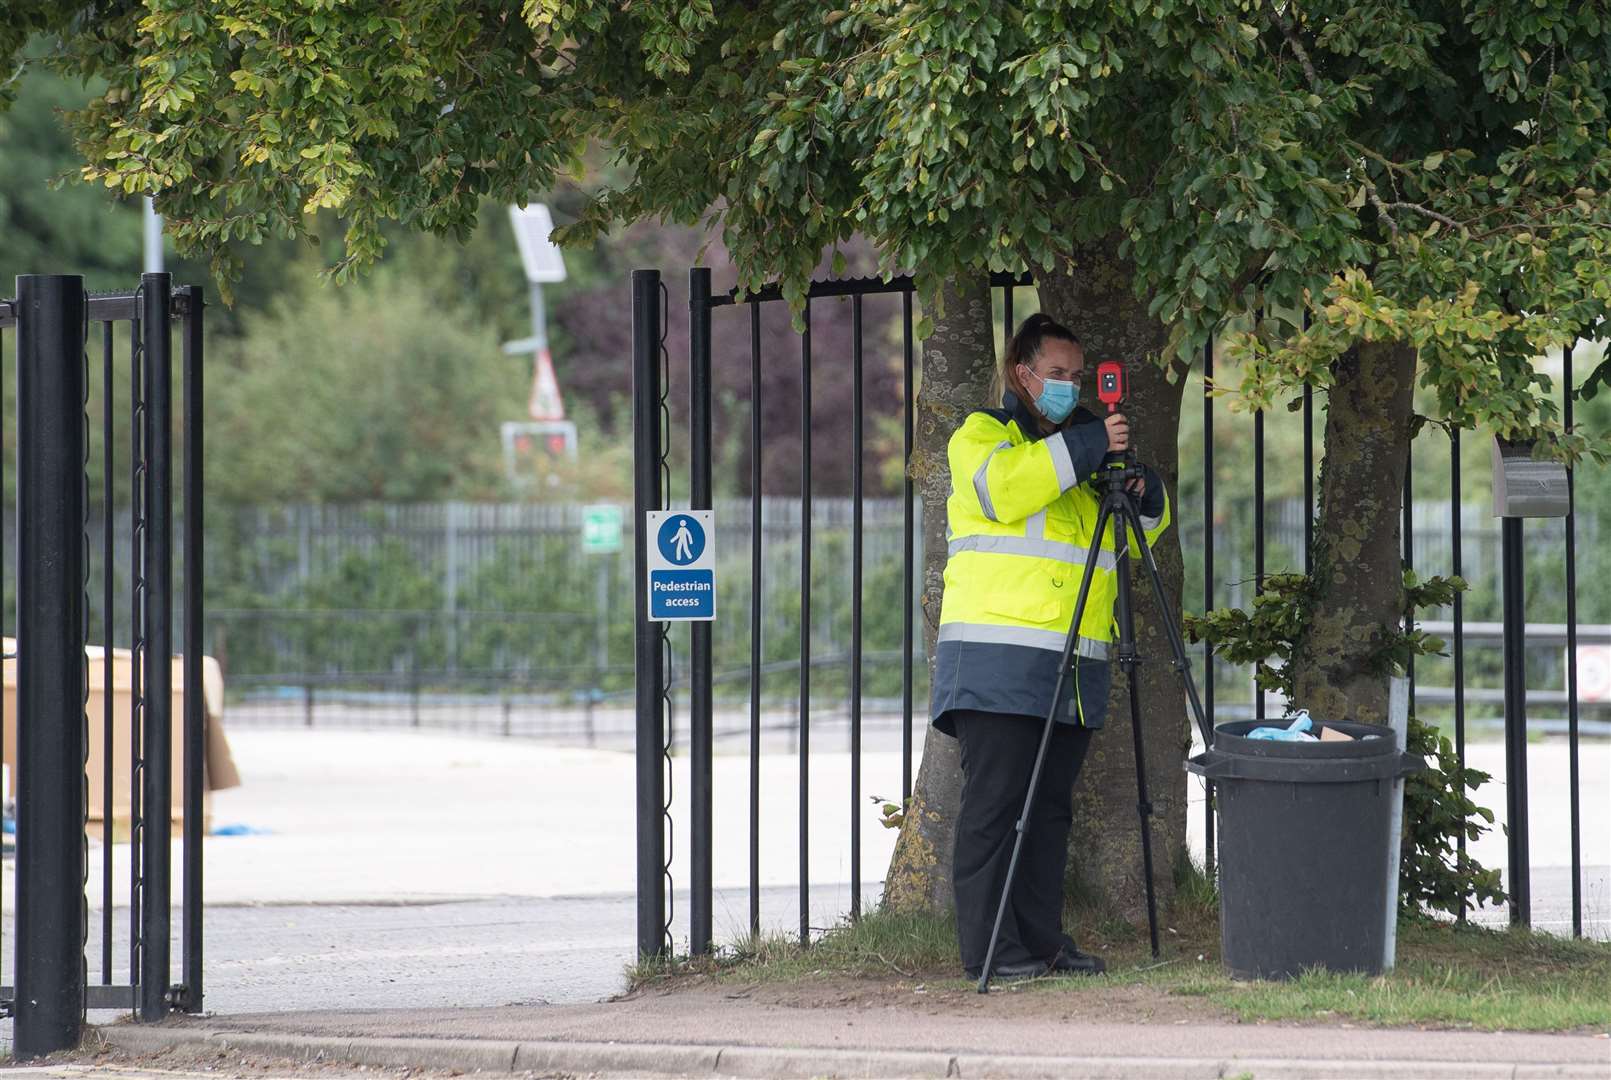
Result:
[1525,487]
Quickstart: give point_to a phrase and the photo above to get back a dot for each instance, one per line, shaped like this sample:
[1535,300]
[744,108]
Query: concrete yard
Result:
[394,869]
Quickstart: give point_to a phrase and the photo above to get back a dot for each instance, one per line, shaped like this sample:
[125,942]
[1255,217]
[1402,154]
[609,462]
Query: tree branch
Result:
[1381,207]
[1424,212]
[1290,32]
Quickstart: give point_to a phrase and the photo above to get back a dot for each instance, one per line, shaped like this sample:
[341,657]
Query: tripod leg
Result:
[1125,616]
[1177,643]
[1091,557]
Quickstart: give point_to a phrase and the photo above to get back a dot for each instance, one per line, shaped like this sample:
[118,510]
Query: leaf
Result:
[1432,161]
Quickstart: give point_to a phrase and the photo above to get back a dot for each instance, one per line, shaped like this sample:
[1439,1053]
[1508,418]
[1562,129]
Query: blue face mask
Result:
[1057,399]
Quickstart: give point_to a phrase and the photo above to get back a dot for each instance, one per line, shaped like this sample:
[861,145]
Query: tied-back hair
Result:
[1023,348]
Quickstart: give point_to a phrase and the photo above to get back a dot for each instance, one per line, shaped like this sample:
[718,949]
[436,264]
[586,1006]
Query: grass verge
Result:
[1446,975]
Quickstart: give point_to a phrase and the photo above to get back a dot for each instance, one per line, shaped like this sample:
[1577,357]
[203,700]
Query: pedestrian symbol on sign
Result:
[681,540]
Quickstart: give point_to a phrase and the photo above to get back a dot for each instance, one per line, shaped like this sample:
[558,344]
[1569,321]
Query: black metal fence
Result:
[656,679]
[58,645]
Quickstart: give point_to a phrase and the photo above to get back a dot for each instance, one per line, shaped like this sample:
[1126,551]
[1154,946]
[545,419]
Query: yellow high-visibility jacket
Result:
[1021,517]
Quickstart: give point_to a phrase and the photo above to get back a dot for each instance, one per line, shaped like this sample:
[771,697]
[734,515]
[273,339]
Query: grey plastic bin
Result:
[1303,843]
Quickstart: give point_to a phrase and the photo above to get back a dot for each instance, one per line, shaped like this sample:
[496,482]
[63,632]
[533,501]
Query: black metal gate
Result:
[651,425]
[67,620]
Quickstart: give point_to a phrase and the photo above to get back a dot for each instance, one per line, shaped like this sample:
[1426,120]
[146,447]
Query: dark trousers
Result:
[998,753]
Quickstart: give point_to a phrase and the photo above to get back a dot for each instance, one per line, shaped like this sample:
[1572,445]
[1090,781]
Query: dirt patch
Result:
[1082,999]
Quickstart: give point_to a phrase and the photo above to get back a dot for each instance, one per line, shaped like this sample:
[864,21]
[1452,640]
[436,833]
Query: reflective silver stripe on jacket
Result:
[1026,636]
[1032,547]
[1150,523]
[981,486]
[1066,476]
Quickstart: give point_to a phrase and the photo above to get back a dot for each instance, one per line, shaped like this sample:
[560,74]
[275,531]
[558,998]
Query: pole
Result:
[649,656]
[195,702]
[1516,722]
[157,797]
[700,707]
[51,672]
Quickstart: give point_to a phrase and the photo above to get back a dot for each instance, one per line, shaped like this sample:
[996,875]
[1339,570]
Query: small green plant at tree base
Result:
[1434,875]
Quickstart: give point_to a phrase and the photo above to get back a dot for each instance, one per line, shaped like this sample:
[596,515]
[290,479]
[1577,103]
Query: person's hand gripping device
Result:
[1120,480]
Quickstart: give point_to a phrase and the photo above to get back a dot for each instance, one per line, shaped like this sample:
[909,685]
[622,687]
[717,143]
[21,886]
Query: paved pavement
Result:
[720,1032]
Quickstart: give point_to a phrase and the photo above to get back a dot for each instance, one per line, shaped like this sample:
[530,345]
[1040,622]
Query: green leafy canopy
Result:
[1427,171]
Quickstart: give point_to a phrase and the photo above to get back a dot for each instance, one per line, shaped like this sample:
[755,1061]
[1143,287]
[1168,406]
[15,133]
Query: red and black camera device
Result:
[1110,384]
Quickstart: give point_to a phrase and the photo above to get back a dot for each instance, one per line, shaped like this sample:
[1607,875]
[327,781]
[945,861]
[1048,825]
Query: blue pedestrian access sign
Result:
[682,565]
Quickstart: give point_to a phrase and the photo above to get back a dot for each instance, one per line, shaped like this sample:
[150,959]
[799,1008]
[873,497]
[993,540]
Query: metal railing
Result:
[651,381]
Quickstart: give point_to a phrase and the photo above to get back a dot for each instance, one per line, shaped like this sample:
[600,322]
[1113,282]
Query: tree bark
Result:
[1093,297]
[958,366]
[1358,581]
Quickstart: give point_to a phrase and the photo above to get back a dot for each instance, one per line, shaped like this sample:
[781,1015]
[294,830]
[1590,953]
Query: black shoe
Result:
[1028,969]
[1070,961]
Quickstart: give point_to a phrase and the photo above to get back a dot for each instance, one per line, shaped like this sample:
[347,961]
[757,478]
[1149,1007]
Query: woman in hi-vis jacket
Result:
[1021,518]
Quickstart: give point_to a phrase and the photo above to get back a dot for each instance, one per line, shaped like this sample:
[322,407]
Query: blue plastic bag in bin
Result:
[1297,731]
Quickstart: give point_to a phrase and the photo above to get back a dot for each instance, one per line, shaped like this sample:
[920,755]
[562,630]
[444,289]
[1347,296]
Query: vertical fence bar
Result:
[1515,640]
[138,444]
[649,656]
[156,874]
[1308,478]
[195,726]
[1208,588]
[1571,664]
[1258,533]
[906,548]
[700,708]
[1006,313]
[1409,558]
[855,604]
[51,676]
[108,660]
[1308,470]
[1459,638]
[755,619]
[4,791]
[805,628]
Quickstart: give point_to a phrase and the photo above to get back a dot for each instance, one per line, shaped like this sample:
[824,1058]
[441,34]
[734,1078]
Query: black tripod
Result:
[1119,508]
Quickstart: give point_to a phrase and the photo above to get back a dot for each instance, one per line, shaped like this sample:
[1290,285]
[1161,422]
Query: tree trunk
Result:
[1358,582]
[958,365]
[1093,297]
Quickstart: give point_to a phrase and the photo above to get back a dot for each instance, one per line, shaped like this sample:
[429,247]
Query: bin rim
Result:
[1230,737]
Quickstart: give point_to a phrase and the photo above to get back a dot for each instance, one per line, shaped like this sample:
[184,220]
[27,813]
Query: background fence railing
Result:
[527,634]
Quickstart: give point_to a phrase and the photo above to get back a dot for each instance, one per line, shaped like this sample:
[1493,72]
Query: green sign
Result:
[601,529]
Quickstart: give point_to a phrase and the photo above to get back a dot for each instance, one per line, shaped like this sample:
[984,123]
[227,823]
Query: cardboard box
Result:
[219,766]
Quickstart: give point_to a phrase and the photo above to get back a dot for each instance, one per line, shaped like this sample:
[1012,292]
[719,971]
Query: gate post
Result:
[52,741]
[195,721]
[700,704]
[156,872]
[649,659]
